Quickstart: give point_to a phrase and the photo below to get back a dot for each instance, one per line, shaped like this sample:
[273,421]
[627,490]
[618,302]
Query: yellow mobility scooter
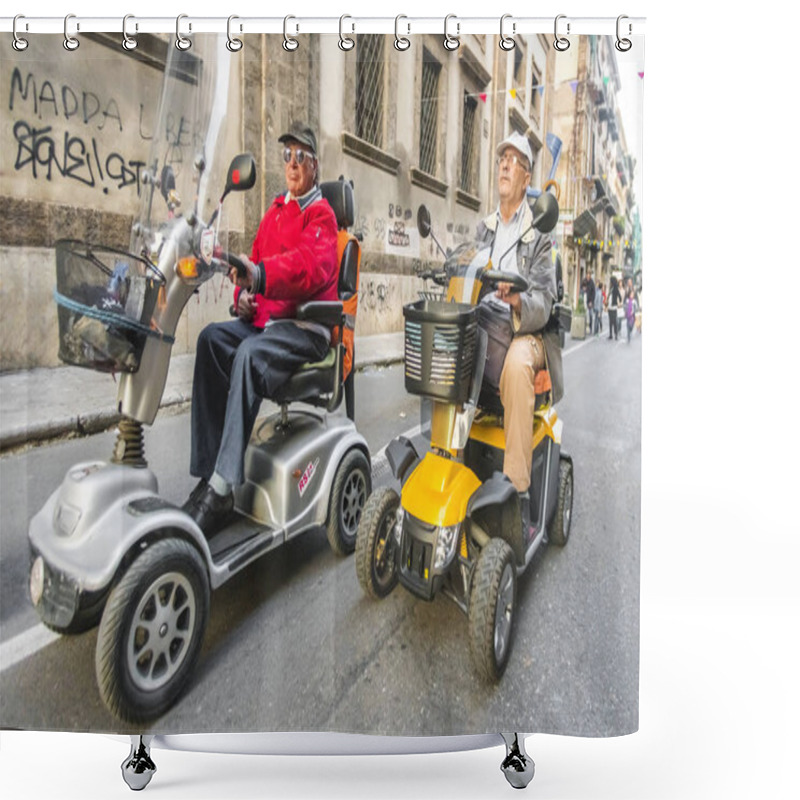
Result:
[456,526]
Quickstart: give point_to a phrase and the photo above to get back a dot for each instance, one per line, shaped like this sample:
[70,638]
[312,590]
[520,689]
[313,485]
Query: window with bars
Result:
[535,96]
[370,81]
[469,144]
[429,114]
[519,73]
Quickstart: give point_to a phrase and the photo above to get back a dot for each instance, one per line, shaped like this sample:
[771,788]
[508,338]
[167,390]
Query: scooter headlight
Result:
[398,525]
[36,583]
[446,541]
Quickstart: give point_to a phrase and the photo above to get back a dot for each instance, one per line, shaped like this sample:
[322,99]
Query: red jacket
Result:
[297,249]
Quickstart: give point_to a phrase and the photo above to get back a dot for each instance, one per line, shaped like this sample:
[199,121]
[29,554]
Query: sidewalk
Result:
[42,404]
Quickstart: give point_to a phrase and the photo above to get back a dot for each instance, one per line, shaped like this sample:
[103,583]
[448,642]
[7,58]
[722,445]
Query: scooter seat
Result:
[328,361]
[318,383]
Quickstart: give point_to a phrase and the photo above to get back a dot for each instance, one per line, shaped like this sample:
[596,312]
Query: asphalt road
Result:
[292,643]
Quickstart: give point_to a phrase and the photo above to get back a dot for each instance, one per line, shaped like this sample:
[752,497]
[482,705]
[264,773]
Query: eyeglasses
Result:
[299,155]
[512,159]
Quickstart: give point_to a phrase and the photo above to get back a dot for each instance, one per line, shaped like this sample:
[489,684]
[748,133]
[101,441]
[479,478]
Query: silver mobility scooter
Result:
[106,547]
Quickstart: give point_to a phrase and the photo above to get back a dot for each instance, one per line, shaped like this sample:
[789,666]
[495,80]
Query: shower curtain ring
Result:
[345,42]
[19,44]
[559,42]
[233,44]
[70,42]
[506,42]
[623,45]
[181,42]
[401,43]
[290,44]
[128,42]
[451,42]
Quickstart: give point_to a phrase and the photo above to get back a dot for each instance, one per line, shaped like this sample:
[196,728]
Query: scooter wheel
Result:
[563,517]
[151,631]
[376,565]
[491,610]
[351,487]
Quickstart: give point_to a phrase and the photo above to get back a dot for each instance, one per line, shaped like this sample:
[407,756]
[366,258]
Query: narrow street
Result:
[294,644]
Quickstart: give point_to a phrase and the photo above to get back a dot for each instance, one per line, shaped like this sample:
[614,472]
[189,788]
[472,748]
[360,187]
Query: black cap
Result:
[300,132]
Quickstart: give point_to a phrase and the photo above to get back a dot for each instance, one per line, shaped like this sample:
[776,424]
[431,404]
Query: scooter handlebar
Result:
[235,262]
[495,276]
[439,277]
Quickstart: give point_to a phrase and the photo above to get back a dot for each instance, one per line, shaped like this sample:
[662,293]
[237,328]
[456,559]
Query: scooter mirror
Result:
[241,174]
[424,221]
[167,181]
[545,212]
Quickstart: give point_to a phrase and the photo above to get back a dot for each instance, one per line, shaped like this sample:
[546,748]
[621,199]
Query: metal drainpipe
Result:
[263,124]
[493,143]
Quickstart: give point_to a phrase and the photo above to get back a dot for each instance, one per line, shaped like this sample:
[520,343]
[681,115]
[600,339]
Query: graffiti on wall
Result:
[63,132]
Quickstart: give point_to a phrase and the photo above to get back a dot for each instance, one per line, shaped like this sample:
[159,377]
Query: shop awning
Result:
[584,225]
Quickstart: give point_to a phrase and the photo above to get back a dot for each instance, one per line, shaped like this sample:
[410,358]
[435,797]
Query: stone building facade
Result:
[596,171]
[407,127]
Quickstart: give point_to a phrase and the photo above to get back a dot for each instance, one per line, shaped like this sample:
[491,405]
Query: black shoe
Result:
[191,503]
[212,511]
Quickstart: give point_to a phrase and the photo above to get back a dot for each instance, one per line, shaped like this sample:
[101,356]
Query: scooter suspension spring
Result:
[129,446]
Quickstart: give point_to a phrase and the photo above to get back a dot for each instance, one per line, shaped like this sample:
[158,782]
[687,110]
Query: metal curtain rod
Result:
[299,25]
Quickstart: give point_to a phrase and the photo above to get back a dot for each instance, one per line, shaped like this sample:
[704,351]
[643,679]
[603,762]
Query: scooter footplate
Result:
[241,541]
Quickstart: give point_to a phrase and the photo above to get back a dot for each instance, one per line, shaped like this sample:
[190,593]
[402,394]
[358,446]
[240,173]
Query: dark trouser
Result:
[612,323]
[235,367]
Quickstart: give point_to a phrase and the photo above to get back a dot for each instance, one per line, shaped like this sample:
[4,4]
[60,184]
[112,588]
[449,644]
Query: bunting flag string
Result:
[601,243]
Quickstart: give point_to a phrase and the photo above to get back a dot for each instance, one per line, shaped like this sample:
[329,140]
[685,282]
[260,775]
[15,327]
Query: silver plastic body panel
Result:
[290,469]
[140,392]
[99,495]
[107,528]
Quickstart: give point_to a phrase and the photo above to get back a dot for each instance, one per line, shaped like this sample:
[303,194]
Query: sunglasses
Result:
[299,155]
[513,159]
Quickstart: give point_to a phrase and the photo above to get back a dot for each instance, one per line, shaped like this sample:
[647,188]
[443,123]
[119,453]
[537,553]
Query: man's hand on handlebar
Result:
[509,294]
[242,271]
[246,306]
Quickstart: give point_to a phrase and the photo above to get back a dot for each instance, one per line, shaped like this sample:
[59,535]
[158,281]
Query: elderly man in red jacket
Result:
[293,261]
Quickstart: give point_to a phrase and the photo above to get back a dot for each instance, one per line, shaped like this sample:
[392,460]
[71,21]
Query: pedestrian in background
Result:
[614,300]
[590,290]
[630,311]
[598,309]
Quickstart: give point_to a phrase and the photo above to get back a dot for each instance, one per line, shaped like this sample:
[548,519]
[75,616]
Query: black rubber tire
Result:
[376,526]
[80,624]
[351,488]
[559,535]
[495,566]
[146,576]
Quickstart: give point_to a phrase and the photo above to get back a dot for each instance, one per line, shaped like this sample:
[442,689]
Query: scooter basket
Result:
[440,341]
[105,299]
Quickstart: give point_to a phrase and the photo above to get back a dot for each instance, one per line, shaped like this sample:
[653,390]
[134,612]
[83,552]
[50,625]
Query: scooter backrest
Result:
[339,195]
[348,265]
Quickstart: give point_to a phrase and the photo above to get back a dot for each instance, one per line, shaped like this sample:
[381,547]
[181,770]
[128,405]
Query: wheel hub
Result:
[161,631]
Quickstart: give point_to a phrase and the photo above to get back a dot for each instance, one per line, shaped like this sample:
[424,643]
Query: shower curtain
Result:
[292,642]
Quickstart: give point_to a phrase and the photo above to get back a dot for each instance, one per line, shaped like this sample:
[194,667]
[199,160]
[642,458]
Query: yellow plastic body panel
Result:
[438,490]
[545,423]
[457,288]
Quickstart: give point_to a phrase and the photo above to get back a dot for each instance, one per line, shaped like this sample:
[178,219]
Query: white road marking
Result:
[25,644]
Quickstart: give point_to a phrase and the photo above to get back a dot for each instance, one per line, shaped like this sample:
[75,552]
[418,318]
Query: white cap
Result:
[518,142]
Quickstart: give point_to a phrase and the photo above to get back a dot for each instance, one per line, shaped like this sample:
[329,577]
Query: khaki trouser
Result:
[524,357]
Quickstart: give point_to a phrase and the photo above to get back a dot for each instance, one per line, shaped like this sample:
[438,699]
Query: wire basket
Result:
[440,343]
[105,299]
